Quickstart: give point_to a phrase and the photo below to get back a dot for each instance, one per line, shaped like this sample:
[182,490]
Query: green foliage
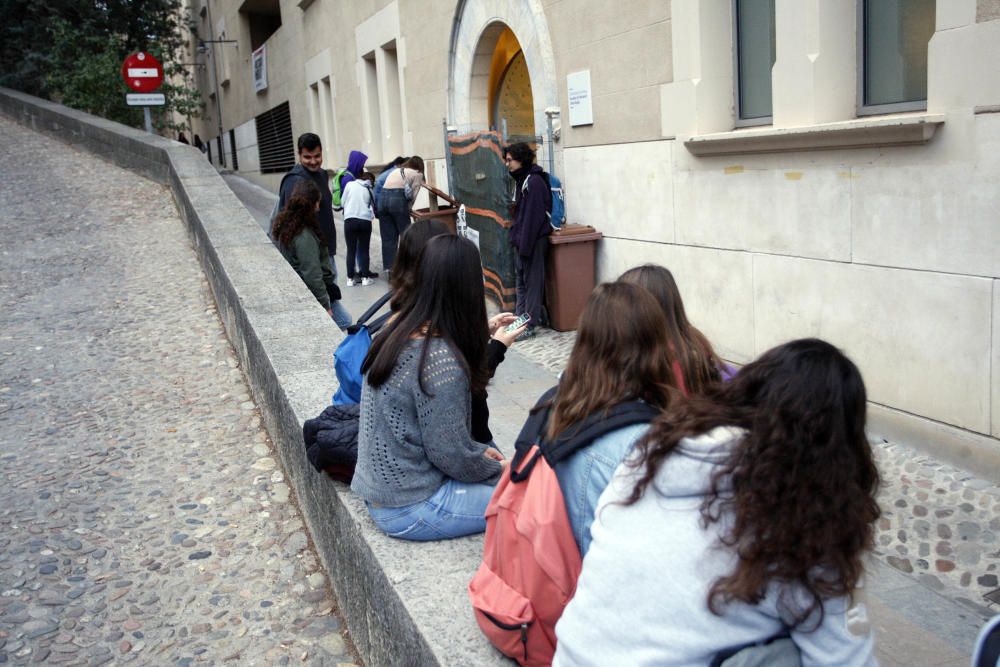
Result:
[72,51]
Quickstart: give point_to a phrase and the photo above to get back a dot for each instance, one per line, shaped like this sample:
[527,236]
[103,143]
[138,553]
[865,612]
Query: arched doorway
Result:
[502,78]
[485,33]
[511,104]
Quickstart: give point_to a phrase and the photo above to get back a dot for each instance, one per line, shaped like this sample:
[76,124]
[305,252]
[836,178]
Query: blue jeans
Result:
[393,220]
[456,509]
[341,317]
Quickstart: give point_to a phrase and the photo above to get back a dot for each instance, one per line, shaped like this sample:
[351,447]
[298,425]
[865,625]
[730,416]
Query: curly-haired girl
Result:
[741,516]
[296,232]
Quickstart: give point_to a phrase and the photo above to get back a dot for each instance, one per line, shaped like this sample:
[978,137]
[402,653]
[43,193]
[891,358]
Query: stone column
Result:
[700,98]
[814,79]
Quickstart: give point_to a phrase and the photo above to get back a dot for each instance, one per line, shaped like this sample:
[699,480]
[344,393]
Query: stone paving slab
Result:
[144,518]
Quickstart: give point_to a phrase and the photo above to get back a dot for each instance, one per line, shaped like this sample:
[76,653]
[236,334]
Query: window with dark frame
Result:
[892,42]
[754,57]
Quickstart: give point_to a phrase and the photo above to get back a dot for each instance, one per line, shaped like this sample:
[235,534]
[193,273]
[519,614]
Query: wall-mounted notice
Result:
[259,60]
[580,110]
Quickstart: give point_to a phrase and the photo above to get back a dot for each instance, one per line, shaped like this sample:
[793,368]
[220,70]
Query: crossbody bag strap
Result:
[374,308]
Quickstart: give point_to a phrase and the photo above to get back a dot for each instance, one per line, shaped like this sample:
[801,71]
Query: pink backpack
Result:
[530,565]
[530,558]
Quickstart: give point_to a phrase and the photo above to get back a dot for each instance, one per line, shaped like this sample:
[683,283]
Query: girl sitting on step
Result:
[420,472]
[696,366]
[740,521]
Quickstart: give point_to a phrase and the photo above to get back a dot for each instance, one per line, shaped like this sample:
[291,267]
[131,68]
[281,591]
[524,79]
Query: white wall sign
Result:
[259,62]
[145,99]
[580,110]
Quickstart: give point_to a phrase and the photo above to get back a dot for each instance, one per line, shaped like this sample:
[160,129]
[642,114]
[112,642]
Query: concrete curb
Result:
[404,603]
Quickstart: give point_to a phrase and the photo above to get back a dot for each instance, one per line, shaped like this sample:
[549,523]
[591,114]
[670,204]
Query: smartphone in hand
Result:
[518,323]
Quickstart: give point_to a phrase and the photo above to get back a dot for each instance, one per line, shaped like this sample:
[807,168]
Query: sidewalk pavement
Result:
[926,610]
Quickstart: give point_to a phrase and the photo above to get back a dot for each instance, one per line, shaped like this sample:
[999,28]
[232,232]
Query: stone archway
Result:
[476,31]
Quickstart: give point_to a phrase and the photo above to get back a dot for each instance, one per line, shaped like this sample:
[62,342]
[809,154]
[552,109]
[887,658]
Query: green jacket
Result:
[311,260]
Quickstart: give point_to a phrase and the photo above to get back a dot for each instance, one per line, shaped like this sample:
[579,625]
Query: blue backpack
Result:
[351,353]
[557,216]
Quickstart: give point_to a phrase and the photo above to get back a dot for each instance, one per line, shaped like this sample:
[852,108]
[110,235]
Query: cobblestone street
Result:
[143,517]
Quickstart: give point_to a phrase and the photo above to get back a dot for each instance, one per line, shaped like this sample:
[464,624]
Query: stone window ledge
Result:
[910,129]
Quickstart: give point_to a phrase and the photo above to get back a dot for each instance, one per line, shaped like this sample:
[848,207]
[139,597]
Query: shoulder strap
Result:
[593,427]
[379,322]
[374,308]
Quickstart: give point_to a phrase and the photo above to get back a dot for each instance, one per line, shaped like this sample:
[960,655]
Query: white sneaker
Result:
[350,282]
[367,281]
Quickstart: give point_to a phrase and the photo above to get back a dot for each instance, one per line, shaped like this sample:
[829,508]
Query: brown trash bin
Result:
[447,214]
[569,274]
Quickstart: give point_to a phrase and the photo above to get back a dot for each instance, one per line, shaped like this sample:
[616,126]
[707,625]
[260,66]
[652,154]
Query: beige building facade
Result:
[818,168]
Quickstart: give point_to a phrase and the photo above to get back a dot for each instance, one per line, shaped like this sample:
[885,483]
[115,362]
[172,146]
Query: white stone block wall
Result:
[891,254]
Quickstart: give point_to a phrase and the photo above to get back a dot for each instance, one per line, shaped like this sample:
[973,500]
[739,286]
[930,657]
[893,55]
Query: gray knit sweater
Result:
[409,442]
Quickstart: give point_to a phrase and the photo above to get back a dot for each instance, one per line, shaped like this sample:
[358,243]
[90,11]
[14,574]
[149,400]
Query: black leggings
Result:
[358,233]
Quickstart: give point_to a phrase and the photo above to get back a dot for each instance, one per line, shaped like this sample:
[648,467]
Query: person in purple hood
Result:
[530,232]
[355,165]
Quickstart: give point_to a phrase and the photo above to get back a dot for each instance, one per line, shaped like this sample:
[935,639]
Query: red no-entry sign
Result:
[142,72]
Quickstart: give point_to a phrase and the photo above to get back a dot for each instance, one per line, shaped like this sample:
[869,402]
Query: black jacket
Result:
[332,438]
[495,351]
[532,201]
[299,173]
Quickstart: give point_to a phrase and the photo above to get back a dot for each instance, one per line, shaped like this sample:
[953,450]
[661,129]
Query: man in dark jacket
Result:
[530,232]
[310,167]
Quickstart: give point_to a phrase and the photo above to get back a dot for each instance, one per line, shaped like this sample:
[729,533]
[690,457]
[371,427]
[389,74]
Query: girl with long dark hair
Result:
[420,472]
[621,353]
[695,363]
[742,515]
[403,279]
[403,282]
[297,235]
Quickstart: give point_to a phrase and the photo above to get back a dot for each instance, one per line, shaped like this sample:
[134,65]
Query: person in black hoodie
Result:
[310,168]
[530,232]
